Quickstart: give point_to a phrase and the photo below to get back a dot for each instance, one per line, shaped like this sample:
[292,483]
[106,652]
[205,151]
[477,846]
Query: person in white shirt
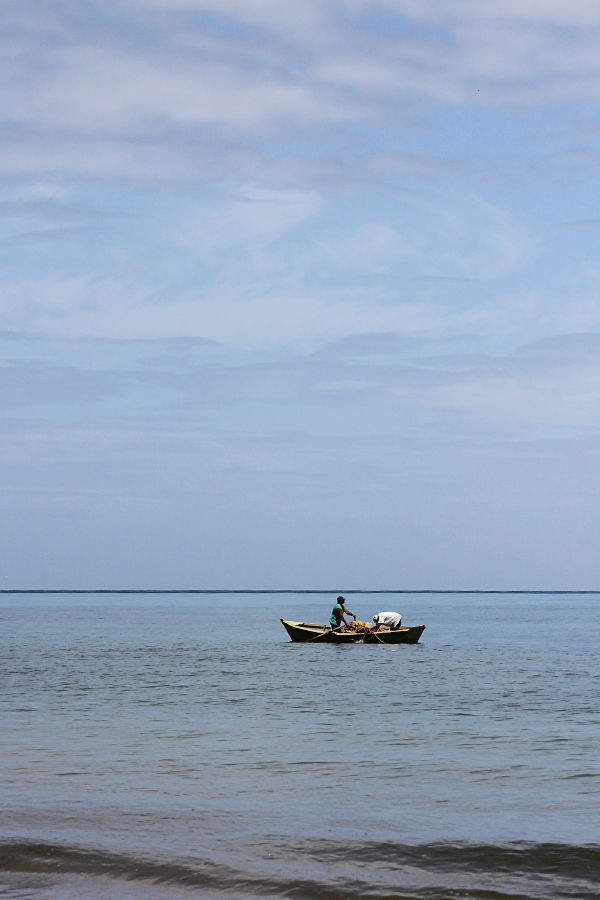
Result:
[391,620]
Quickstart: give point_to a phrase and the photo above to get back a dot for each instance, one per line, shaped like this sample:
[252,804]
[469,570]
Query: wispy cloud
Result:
[126,88]
[49,234]
[293,249]
[548,388]
[579,223]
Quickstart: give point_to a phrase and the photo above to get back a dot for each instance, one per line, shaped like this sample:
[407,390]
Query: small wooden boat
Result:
[309,631]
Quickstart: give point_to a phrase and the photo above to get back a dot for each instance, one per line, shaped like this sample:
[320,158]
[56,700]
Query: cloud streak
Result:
[305,251]
[548,388]
[138,88]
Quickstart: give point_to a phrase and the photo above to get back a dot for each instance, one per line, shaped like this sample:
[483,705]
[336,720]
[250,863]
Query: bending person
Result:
[391,620]
[337,614]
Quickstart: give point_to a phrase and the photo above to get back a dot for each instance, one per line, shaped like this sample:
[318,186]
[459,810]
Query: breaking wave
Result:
[324,870]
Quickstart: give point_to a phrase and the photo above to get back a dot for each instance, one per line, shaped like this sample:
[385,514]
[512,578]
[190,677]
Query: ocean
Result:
[159,746]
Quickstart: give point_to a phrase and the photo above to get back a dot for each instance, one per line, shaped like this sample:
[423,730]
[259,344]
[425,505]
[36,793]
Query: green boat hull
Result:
[308,631]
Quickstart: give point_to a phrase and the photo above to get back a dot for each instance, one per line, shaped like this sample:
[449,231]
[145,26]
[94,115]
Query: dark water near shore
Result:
[167,746]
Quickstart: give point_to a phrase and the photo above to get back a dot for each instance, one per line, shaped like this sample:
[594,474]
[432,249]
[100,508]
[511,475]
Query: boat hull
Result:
[309,632]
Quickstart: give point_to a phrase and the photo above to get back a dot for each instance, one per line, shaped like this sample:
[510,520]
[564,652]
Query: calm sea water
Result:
[171,746]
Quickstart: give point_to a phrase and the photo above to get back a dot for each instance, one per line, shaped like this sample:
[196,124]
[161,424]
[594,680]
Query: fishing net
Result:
[358,626]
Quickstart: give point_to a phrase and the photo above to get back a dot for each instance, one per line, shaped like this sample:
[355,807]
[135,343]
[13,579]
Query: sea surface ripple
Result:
[160,746]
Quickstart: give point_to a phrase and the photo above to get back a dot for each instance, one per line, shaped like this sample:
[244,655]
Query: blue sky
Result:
[300,295]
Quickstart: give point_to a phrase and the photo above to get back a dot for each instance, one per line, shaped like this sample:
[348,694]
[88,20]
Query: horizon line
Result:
[272,591]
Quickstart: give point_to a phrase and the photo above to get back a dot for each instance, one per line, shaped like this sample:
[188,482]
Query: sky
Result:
[300,295]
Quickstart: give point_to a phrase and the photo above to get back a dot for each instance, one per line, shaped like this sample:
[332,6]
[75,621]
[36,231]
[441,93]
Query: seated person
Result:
[337,614]
[391,620]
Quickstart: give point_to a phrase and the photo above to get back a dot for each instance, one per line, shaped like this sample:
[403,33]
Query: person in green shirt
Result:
[337,614]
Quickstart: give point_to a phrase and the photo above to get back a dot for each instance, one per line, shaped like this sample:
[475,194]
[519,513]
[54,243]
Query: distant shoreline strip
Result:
[271,591]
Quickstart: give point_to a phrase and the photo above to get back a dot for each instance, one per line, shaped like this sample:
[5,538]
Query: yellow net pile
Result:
[358,626]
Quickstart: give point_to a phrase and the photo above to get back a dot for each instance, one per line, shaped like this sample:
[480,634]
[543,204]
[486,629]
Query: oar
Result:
[317,636]
[323,633]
